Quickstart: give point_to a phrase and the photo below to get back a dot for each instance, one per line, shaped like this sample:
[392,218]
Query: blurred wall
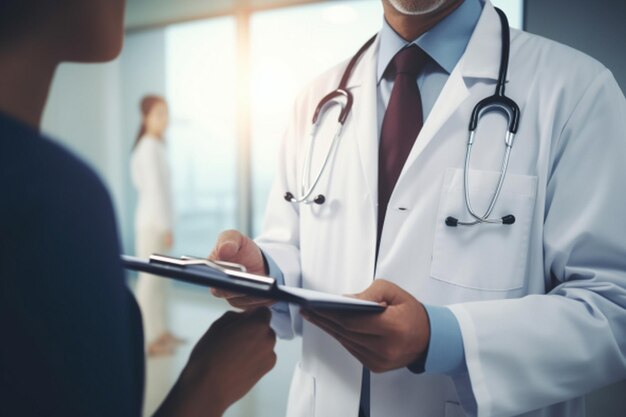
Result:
[147,13]
[597,28]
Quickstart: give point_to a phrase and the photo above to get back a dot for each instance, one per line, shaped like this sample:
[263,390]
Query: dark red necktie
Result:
[401,124]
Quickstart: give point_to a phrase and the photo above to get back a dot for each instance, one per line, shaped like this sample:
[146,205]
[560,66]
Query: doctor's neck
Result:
[411,18]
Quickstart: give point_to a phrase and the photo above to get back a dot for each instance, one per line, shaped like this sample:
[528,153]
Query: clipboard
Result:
[234,277]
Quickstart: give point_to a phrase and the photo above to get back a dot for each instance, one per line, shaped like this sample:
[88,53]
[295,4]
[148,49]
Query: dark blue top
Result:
[71,342]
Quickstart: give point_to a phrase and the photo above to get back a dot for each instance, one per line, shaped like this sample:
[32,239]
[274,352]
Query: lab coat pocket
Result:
[301,394]
[489,257]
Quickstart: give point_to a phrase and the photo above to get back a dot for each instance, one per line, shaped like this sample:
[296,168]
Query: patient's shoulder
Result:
[54,209]
[41,179]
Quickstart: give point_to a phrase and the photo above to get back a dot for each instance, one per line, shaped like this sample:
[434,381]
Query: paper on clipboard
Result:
[233,277]
[323,297]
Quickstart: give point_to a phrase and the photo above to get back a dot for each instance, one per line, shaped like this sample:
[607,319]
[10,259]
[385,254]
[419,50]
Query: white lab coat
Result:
[525,350]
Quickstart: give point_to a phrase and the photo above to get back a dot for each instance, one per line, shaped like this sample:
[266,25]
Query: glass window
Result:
[200,80]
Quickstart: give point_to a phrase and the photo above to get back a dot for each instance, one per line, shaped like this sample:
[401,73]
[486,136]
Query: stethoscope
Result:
[306,188]
[497,102]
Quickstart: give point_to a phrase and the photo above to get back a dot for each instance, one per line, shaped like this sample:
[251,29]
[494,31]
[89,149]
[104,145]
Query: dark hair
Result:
[15,18]
[146,105]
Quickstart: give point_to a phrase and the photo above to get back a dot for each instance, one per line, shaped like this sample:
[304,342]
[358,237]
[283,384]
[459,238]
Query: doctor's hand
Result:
[229,359]
[232,246]
[383,341]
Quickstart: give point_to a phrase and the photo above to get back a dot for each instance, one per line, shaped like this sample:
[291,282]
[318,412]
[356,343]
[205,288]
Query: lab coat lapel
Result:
[364,124]
[480,60]
[482,56]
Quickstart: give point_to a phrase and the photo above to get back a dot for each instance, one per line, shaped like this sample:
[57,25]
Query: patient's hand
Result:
[236,351]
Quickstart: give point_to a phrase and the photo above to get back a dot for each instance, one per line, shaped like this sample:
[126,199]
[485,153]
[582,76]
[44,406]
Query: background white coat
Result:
[153,221]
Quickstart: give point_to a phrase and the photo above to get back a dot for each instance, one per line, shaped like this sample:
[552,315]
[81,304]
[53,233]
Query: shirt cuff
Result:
[275,272]
[446,354]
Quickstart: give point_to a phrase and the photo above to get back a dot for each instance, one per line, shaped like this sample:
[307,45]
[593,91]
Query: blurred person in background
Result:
[153,220]
[72,338]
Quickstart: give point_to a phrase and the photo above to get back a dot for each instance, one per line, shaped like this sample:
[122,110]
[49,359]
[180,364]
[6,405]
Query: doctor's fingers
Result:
[242,301]
[367,324]
[247,303]
[358,336]
[240,298]
[228,245]
[377,353]
[224,293]
[364,348]
[385,292]
[233,246]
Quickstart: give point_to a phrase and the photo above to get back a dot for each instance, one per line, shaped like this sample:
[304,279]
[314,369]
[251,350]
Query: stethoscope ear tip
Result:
[320,199]
[508,219]
[289,197]
[452,221]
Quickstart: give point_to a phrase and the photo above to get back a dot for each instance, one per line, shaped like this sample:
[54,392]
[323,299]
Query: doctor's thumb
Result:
[381,291]
[228,245]
[227,250]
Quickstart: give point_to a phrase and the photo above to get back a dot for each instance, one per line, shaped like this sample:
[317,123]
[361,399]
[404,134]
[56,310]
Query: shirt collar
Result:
[445,43]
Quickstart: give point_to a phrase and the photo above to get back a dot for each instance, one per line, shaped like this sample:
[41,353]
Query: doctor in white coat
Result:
[488,320]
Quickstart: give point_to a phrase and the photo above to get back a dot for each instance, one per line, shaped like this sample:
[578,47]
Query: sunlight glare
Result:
[340,14]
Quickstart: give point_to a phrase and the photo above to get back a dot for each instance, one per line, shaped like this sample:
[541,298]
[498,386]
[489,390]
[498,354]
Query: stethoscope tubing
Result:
[494,198]
[497,102]
[500,103]
[307,190]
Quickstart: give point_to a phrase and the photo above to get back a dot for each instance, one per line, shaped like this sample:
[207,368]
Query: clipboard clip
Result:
[231,269]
